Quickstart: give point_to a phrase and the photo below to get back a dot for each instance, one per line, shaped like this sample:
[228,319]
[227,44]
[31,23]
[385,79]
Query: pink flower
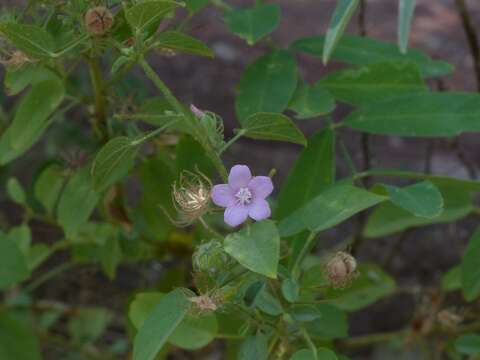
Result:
[196,111]
[243,196]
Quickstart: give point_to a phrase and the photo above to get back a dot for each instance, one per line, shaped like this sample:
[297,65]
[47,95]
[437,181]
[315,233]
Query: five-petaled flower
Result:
[243,196]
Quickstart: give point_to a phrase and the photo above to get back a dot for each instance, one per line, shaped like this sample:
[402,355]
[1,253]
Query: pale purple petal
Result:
[259,210]
[239,177]
[222,195]
[235,215]
[196,111]
[261,186]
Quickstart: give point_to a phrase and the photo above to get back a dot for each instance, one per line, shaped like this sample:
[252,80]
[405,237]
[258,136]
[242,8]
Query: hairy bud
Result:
[210,258]
[191,196]
[98,21]
[341,269]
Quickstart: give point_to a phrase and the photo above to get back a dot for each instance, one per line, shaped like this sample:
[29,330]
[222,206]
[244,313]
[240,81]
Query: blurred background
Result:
[414,258]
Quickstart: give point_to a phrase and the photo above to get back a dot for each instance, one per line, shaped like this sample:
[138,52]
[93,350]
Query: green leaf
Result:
[110,256]
[196,5]
[388,218]
[452,279]
[370,286]
[32,40]
[17,337]
[313,171]
[13,267]
[256,247]
[322,320]
[341,16]
[113,162]
[145,14]
[329,208]
[178,41]
[17,79]
[22,236]
[468,344]
[307,354]
[254,23]
[31,119]
[271,126]
[267,303]
[405,10]
[77,202]
[48,186]
[194,332]
[470,268]
[311,101]
[358,50]
[159,325]
[15,191]
[374,83]
[88,324]
[421,114]
[422,199]
[254,347]
[290,290]
[267,85]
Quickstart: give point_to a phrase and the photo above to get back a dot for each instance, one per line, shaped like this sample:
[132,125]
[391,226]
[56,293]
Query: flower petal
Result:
[239,177]
[259,210]
[222,195]
[261,186]
[235,215]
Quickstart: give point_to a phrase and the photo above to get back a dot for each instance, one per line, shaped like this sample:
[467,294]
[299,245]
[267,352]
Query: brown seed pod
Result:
[341,269]
[98,21]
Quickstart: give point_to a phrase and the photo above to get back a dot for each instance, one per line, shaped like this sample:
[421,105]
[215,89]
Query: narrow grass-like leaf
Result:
[405,15]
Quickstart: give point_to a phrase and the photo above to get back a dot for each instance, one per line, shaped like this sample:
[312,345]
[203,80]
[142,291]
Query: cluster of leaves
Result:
[257,287]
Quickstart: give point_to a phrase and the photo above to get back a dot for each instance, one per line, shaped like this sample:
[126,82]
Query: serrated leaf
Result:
[470,268]
[358,50]
[272,126]
[405,15]
[267,85]
[254,23]
[340,18]
[329,208]
[32,40]
[374,83]
[310,101]
[256,247]
[178,41]
[113,162]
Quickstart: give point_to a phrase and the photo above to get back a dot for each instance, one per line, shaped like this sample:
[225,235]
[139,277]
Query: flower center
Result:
[244,196]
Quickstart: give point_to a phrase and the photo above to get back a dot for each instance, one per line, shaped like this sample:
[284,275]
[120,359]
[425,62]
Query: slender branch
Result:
[303,253]
[230,142]
[471,35]
[99,89]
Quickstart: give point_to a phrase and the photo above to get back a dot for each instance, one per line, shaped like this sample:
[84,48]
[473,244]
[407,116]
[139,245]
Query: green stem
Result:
[47,276]
[309,342]
[230,142]
[70,46]
[100,115]
[303,253]
[152,133]
[179,108]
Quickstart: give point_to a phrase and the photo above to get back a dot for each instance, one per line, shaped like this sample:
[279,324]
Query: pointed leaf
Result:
[256,247]
[341,16]
[13,267]
[32,40]
[405,10]
[255,23]
[470,268]
[267,85]
[272,126]
[142,15]
[311,101]
[178,41]
[364,51]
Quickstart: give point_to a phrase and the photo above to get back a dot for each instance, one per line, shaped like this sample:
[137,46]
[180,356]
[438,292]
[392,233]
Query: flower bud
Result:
[341,269]
[98,21]
[191,196]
